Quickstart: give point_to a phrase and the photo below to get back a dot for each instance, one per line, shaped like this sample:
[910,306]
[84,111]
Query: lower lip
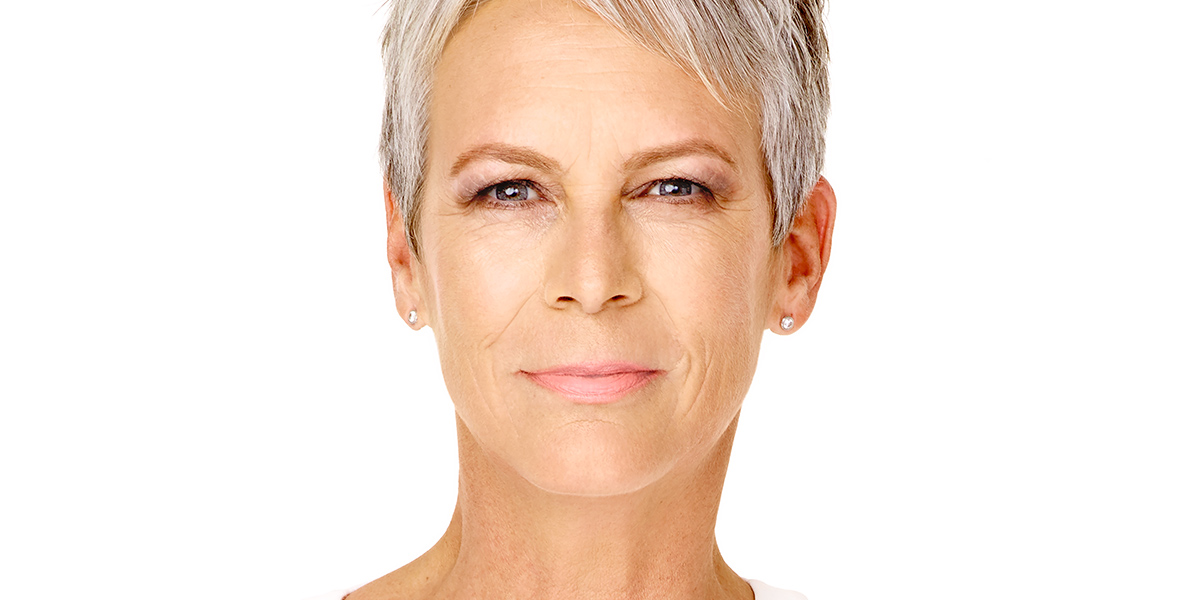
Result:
[593,389]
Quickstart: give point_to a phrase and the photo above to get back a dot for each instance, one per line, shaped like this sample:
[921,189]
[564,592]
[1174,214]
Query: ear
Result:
[804,258]
[403,264]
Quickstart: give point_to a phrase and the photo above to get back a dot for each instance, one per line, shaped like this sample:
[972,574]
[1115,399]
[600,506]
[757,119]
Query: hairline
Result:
[796,92]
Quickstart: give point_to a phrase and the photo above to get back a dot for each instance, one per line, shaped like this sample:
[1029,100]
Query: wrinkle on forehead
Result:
[571,35]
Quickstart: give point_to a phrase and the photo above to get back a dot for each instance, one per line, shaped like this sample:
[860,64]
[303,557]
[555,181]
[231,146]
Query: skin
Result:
[592,261]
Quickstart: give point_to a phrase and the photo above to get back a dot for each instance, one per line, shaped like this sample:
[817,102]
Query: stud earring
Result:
[413,318]
[787,323]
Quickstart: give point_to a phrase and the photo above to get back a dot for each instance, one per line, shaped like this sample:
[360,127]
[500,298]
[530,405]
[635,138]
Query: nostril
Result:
[566,299]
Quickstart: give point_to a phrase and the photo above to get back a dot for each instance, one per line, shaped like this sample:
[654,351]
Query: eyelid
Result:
[480,175]
[488,194]
[647,188]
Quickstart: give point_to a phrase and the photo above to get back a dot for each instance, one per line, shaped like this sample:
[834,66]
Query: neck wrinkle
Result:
[508,539]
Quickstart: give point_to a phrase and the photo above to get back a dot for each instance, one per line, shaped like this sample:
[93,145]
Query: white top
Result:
[761,592]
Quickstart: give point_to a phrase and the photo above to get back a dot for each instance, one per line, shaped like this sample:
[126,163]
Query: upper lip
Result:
[588,369]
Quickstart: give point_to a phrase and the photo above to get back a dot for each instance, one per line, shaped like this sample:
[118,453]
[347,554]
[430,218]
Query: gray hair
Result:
[774,51]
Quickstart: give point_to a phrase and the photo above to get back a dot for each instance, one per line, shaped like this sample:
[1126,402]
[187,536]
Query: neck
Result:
[509,539]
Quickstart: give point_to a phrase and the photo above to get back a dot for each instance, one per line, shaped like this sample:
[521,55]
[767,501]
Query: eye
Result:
[509,193]
[678,190]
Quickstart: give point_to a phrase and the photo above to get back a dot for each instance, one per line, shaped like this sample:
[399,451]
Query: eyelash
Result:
[704,190]
[487,194]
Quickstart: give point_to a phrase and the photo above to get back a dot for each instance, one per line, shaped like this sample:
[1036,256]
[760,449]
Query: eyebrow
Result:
[508,153]
[677,150]
[523,155]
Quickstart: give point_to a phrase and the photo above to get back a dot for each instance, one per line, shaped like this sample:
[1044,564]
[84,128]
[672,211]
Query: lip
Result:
[594,383]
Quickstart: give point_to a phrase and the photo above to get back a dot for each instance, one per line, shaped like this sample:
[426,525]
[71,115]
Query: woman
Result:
[598,208]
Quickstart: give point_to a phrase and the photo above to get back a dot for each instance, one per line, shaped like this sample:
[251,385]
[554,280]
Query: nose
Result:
[591,263]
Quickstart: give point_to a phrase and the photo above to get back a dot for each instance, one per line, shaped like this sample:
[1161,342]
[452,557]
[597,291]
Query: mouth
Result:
[594,383]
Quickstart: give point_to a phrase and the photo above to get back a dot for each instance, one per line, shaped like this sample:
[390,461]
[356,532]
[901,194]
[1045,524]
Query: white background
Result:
[206,392]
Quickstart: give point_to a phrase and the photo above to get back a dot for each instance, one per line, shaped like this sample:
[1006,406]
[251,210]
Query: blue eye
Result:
[678,190]
[510,192]
[674,187]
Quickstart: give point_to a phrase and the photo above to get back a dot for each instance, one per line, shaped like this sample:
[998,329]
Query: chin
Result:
[596,459]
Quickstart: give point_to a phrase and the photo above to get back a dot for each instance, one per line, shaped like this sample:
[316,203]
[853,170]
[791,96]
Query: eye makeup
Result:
[677,190]
[495,184]
[715,184]
[477,185]
[513,194]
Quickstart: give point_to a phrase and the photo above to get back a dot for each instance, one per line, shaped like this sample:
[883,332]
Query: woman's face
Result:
[595,257]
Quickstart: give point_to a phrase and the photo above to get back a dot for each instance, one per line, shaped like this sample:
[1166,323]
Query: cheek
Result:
[716,295]
[479,282]
[713,284]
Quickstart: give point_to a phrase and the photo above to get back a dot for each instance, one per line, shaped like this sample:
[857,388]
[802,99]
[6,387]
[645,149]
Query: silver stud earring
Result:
[413,318]
[787,323]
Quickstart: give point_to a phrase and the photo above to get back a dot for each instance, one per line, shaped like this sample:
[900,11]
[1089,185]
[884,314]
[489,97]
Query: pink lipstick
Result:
[598,383]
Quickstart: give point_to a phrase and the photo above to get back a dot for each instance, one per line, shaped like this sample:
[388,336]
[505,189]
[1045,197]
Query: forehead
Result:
[554,76]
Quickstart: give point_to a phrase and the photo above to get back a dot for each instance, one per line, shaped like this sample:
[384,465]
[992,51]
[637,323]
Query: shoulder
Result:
[762,591]
[766,592]
[337,595]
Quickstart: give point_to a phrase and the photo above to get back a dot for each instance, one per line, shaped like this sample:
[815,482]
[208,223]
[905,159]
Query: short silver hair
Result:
[772,51]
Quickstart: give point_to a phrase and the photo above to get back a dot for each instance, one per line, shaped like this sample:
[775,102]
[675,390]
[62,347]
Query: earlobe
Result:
[401,265]
[804,259]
